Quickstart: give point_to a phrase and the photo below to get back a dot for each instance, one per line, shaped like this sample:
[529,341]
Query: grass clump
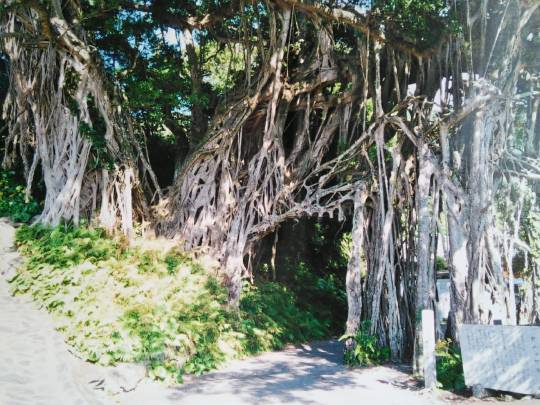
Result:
[367,351]
[449,366]
[13,203]
[122,304]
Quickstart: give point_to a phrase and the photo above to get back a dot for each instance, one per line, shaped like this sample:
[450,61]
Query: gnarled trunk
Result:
[54,112]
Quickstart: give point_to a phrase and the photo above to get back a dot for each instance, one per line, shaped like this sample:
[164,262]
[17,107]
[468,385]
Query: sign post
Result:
[428,349]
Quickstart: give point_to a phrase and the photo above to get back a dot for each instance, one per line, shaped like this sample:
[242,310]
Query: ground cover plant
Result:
[449,366]
[366,349]
[116,303]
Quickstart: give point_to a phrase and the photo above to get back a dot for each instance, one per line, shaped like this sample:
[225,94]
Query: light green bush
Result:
[120,304]
[449,366]
[367,351]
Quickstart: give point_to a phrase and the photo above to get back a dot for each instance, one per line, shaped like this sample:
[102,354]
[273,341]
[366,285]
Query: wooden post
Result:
[428,349]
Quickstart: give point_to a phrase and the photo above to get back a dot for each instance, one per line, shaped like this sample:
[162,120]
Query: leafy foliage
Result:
[449,366]
[273,308]
[441,264]
[12,199]
[367,350]
[117,303]
[320,294]
[419,22]
[313,268]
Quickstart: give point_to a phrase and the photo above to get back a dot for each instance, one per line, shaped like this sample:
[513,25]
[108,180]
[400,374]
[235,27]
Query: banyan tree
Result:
[418,124]
[62,117]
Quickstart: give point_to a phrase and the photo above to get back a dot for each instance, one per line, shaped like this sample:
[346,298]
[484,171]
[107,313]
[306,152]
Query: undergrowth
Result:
[12,199]
[449,366]
[366,351]
[116,303]
[323,294]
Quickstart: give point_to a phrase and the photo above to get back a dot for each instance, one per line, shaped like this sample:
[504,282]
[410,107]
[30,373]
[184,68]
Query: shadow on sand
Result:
[317,366]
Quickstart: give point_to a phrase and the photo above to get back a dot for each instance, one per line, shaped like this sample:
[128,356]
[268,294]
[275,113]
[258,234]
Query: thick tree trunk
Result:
[355,268]
[425,279]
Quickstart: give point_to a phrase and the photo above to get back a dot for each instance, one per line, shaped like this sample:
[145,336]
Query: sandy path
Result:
[36,368]
[35,365]
[304,375]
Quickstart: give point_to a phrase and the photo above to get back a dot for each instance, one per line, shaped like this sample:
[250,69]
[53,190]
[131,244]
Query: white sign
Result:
[502,357]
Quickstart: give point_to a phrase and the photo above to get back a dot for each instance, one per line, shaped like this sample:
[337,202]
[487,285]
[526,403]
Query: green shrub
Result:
[440,263]
[367,351]
[12,199]
[321,294]
[174,259]
[117,303]
[272,308]
[449,366]
[65,245]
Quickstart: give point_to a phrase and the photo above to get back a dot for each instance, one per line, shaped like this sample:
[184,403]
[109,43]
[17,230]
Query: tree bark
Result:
[355,268]
[425,281]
